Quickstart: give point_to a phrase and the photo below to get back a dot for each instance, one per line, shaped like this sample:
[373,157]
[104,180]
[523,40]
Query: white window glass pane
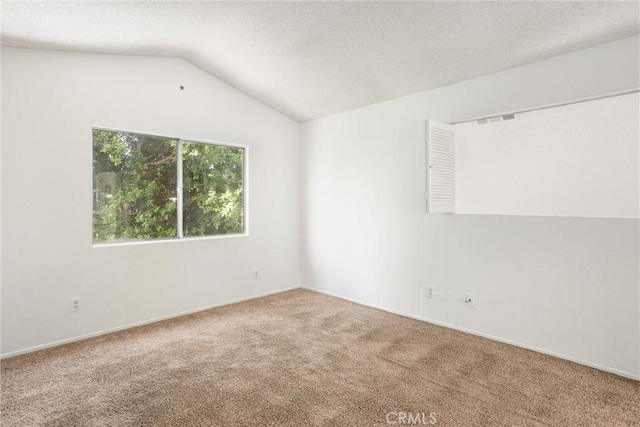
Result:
[213,196]
[134,187]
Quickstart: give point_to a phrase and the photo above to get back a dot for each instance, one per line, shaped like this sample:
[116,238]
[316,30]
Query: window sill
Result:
[162,241]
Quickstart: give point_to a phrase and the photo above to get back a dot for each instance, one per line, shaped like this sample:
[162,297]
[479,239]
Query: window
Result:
[136,188]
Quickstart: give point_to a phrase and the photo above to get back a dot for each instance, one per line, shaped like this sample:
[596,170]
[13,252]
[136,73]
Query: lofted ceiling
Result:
[313,59]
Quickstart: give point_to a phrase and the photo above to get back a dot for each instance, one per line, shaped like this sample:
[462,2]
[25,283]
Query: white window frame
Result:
[179,190]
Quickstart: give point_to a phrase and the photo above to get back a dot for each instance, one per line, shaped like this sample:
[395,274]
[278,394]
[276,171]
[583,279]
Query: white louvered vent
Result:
[502,118]
[441,170]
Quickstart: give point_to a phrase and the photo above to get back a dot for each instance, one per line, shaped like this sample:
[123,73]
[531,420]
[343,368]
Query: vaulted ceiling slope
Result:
[313,59]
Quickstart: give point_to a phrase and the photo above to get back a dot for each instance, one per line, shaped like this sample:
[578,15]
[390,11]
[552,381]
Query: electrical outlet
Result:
[431,292]
[469,299]
[256,274]
[75,304]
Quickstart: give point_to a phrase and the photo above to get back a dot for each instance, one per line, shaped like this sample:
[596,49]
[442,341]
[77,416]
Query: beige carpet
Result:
[304,359]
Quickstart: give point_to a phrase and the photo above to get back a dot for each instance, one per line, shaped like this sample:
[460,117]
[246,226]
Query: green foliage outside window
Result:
[135,179]
[212,189]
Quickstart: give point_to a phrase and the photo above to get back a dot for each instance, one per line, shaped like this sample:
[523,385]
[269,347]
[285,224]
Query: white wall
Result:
[574,160]
[50,102]
[563,285]
[568,286]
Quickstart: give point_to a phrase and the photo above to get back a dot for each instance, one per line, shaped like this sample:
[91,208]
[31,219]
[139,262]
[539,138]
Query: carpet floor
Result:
[301,358]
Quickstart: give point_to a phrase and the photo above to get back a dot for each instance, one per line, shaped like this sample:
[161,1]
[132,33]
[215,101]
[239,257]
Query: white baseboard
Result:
[388,310]
[480,334]
[141,323]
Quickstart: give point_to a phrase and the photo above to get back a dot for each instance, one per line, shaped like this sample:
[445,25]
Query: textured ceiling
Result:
[312,59]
